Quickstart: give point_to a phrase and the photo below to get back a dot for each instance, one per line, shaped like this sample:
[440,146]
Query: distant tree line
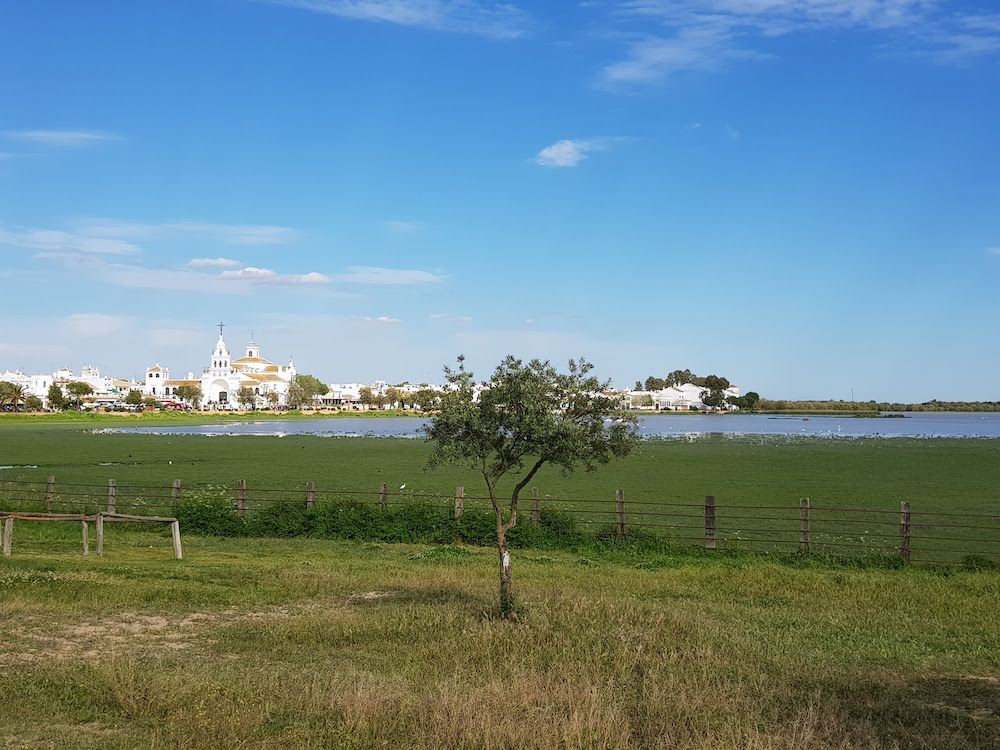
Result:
[714,385]
[873,406]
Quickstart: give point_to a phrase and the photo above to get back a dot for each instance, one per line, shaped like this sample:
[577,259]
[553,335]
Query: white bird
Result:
[170,462]
[402,486]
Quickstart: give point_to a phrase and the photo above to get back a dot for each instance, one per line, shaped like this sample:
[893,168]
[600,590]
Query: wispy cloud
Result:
[387,276]
[54,241]
[213,263]
[444,316]
[706,35]
[62,138]
[230,234]
[569,152]
[96,325]
[267,276]
[492,20]
[382,319]
[993,250]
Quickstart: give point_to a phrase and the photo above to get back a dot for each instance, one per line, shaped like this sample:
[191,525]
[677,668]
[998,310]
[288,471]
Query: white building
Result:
[684,397]
[221,381]
[33,385]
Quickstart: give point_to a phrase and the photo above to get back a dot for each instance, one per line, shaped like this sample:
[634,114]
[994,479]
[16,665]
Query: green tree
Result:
[716,387]
[425,399]
[303,389]
[392,397]
[56,397]
[365,396]
[528,415]
[77,391]
[11,394]
[638,385]
[272,398]
[33,403]
[246,396]
[680,377]
[750,400]
[134,398]
[148,402]
[189,394]
[655,384]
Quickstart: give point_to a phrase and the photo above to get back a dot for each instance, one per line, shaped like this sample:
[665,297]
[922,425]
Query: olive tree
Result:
[525,416]
[190,394]
[246,396]
[77,391]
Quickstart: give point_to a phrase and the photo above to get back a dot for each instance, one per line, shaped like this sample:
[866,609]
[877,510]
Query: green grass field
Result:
[932,475]
[318,644]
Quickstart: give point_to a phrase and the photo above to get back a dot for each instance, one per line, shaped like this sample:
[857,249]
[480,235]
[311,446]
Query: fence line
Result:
[722,526]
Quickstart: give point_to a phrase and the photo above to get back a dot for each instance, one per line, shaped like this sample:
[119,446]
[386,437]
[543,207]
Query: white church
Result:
[224,377]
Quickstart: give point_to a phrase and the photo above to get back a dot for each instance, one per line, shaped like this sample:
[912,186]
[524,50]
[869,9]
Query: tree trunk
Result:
[506,576]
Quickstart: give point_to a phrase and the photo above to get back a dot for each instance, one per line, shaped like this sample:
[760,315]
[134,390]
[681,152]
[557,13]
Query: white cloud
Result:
[96,325]
[382,319]
[230,234]
[700,48]
[705,35]
[388,276]
[993,250]
[444,316]
[62,138]
[569,152]
[266,275]
[49,240]
[492,20]
[213,263]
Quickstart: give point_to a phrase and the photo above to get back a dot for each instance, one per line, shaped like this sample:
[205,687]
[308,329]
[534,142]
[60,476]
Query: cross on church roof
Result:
[221,326]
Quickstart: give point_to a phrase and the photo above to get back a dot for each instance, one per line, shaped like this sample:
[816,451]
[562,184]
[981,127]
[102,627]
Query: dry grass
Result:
[268,644]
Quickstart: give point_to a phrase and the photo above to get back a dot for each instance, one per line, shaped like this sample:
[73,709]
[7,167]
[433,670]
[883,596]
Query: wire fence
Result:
[903,532]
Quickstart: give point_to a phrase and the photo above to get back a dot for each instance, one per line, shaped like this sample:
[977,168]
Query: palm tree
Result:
[16,395]
[12,394]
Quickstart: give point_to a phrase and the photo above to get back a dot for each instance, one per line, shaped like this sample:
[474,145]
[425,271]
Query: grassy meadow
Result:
[319,644]
[953,476]
[333,643]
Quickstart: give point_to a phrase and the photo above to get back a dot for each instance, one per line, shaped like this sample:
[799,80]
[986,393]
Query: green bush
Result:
[211,517]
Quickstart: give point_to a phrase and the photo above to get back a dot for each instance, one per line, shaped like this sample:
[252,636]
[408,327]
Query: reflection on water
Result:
[914,424]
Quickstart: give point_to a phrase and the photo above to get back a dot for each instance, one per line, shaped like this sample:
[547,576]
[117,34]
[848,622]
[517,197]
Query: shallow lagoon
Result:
[913,424]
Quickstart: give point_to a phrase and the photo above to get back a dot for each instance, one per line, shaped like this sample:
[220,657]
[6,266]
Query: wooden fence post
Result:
[112,495]
[620,512]
[383,496]
[241,496]
[86,537]
[50,494]
[804,533]
[904,530]
[459,502]
[310,494]
[709,522]
[536,505]
[99,525]
[175,491]
[175,533]
[8,535]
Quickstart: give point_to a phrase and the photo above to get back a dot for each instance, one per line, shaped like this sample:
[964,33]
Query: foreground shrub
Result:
[214,517]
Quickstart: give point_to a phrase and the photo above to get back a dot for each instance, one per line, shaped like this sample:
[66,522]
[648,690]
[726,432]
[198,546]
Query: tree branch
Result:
[517,491]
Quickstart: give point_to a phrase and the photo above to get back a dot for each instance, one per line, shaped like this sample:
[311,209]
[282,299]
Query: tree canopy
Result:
[526,416]
[190,394]
[303,389]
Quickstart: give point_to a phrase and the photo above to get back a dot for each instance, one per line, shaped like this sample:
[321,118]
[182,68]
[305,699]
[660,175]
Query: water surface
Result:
[913,424]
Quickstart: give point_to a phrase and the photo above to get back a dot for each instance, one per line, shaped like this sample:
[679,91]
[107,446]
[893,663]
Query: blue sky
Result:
[801,195]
